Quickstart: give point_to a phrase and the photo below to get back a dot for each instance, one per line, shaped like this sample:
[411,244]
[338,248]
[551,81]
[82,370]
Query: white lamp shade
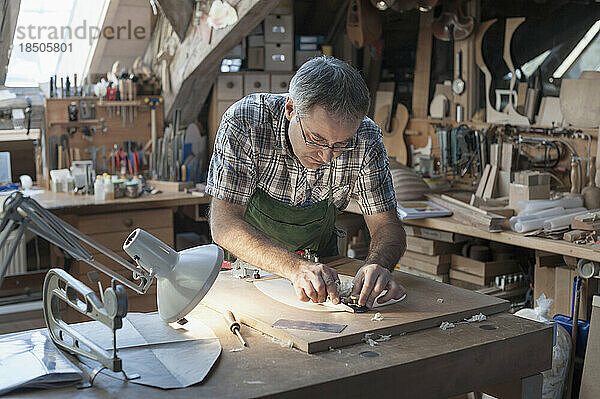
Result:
[183,278]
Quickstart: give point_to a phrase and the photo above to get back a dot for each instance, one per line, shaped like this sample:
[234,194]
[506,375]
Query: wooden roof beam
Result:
[7,33]
[179,13]
[196,63]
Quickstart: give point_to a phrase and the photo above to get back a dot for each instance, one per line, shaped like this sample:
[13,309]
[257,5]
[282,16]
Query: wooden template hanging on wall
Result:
[511,25]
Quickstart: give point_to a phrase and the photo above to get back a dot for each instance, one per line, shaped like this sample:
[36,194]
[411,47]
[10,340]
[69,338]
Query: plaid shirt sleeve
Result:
[374,187]
[232,172]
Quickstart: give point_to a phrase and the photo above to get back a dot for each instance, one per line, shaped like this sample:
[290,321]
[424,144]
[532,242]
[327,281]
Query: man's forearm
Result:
[387,245]
[252,246]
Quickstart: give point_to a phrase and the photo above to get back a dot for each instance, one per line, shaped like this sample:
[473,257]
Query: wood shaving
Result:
[383,338]
[477,317]
[369,340]
[377,317]
[446,325]
[372,342]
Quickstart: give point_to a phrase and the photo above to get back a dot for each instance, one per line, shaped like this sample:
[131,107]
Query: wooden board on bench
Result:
[420,310]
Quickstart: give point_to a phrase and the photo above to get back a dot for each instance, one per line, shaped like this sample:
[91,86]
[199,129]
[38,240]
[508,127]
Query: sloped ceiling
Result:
[122,13]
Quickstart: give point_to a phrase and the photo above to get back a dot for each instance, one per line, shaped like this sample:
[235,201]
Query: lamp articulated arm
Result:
[22,213]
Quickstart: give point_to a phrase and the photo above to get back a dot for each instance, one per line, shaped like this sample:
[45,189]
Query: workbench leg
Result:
[529,388]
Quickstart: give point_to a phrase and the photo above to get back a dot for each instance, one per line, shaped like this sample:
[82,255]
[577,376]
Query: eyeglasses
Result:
[337,147]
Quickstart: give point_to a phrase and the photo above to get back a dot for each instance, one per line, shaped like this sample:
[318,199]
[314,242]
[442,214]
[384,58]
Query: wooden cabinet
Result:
[231,87]
[111,230]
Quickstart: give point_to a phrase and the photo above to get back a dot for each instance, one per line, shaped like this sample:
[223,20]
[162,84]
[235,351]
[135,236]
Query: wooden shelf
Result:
[83,122]
[19,135]
[509,237]
[102,103]
[482,125]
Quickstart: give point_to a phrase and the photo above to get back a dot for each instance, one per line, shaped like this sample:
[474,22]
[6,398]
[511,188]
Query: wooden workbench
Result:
[426,364]
[63,203]
[510,237]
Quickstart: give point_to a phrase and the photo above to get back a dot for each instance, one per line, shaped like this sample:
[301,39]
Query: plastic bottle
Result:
[109,191]
[99,189]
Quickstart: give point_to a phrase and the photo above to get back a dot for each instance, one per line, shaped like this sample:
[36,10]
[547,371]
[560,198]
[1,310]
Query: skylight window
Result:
[54,37]
[583,57]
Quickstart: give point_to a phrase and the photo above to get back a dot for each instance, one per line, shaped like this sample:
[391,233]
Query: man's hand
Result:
[316,282]
[371,280]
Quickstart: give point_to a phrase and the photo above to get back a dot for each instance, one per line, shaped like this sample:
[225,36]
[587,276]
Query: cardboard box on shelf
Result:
[256,40]
[279,28]
[279,57]
[256,58]
[284,7]
[520,192]
[531,178]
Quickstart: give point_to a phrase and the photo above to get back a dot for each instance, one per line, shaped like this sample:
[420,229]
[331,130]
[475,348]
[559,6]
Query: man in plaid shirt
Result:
[282,168]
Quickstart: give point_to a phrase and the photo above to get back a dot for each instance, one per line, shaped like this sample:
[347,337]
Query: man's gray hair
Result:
[332,84]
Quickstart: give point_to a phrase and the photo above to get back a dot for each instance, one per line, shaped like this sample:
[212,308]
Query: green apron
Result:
[296,228]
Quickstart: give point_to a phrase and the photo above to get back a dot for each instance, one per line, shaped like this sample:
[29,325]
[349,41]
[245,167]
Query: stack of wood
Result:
[469,214]
[479,265]
[428,252]
[495,179]
[553,276]
[529,185]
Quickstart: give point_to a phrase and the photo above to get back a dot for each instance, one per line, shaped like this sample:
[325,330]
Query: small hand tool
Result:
[233,324]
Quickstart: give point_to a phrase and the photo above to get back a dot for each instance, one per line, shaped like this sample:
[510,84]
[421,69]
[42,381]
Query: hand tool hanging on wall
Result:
[93,150]
[66,149]
[458,84]
[153,101]
[123,89]
[67,87]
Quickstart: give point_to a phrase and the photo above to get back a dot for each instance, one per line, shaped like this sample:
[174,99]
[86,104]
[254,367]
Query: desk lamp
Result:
[183,278]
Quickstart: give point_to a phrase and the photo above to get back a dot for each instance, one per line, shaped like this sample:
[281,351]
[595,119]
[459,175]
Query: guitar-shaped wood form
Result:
[363,23]
[393,126]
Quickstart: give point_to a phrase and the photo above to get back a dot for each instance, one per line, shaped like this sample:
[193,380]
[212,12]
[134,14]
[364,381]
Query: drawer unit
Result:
[280,83]
[111,230]
[125,221]
[279,57]
[256,58]
[256,83]
[114,241]
[279,28]
[230,87]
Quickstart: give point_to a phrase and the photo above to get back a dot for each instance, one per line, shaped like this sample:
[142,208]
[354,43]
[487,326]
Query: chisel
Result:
[233,324]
